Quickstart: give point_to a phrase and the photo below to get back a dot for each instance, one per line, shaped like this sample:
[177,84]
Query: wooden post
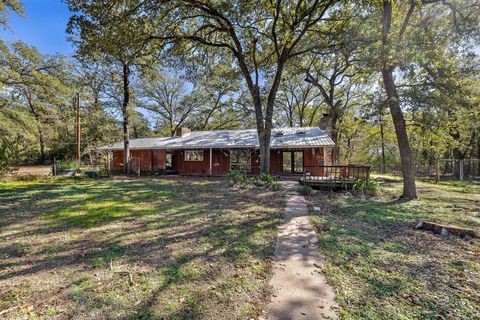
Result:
[54,168]
[210,164]
[78,129]
[437,171]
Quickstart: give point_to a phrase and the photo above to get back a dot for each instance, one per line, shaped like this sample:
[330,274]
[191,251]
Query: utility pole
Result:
[78,129]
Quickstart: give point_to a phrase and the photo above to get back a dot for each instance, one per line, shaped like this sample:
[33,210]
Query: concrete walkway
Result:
[300,291]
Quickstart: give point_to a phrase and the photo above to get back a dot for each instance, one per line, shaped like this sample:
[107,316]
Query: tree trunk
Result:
[406,158]
[126,118]
[41,139]
[41,136]
[384,162]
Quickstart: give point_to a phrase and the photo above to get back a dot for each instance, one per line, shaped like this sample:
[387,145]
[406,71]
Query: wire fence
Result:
[462,169]
[98,168]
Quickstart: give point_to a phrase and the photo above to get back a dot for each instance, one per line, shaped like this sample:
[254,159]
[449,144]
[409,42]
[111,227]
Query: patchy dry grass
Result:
[382,268]
[135,249]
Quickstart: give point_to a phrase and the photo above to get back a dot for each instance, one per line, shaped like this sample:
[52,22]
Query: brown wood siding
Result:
[154,161]
[220,162]
[117,162]
[313,157]
[145,157]
[191,167]
[276,162]
[158,160]
[255,162]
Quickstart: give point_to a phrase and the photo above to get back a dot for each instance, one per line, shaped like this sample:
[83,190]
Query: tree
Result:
[216,91]
[166,95]
[261,37]
[119,33]
[403,31]
[8,6]
[37,81]
[333,74]
[300,102]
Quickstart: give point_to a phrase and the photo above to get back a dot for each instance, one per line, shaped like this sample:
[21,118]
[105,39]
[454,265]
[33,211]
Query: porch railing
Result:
[336,173]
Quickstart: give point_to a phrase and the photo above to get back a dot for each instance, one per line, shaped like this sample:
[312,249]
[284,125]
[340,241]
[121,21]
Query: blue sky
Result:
[43,26]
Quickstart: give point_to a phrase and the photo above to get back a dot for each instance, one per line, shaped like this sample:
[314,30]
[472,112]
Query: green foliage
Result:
[368,187]
[268,180]
[262,181]
[8,7]
[237,176]
[306,190]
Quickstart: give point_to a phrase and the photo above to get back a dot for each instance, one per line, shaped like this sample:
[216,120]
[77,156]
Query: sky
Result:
[43,26]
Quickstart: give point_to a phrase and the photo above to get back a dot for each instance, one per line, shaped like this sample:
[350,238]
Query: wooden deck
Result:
[334,177]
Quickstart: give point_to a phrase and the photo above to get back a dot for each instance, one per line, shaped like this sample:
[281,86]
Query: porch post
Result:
[210,167]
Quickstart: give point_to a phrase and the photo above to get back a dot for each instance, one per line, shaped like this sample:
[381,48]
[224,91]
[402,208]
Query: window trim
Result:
[202,158]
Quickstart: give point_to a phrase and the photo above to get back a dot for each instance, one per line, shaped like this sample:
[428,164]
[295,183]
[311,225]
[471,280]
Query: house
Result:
[215,153]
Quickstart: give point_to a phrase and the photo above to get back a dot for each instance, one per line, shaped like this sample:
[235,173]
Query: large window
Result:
[241,160]
[193,155]
[293,162]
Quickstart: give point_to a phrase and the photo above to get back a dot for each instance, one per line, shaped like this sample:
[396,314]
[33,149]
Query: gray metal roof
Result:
[281,138]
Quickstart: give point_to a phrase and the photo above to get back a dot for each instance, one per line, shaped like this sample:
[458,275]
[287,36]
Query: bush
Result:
[262,181]
[368,187]
[237,176]
[306,190]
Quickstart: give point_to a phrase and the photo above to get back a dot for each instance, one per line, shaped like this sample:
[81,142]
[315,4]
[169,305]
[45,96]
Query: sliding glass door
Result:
[292,162]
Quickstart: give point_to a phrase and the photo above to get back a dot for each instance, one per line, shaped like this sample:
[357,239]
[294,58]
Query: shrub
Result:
[368,187]
[268,179]
[237,176]
[306,190]
[262,181]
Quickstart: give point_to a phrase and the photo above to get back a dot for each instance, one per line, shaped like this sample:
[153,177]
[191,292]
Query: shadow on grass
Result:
[163,225]
[386,265]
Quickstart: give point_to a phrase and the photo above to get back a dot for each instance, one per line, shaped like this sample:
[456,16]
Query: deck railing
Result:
[336,173]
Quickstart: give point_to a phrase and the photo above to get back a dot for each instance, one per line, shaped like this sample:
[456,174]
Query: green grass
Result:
[382,268]
[195,248]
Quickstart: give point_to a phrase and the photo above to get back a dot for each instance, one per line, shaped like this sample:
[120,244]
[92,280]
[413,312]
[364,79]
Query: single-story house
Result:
[215,153]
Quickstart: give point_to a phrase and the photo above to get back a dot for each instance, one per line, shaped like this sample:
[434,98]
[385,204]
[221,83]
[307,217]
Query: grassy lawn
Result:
[382,268]
[137,249]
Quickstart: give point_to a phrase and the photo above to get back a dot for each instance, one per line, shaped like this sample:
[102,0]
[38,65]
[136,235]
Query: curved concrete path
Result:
[300,290]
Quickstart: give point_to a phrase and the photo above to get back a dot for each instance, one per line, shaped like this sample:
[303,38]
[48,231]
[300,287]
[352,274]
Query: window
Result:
[193,155]
[240,160]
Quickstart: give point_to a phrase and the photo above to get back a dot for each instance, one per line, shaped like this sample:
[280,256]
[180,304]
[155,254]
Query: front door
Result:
[292,162]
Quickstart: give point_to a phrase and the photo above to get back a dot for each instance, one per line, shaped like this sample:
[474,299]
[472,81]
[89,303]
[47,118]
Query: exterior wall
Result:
[183,167]
[220,162]
[145,158]
[117,162]
[276,162]
[158,160]
[154,161]
[314,157]
[150,160]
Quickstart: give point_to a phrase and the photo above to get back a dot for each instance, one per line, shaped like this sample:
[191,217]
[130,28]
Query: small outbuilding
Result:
[215,153]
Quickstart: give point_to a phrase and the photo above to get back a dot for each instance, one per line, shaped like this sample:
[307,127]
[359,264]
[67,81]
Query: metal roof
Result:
[296,137]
